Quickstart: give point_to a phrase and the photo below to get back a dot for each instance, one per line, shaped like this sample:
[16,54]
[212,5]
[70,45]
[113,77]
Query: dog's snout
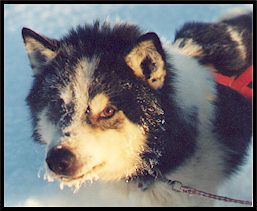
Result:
[61,161]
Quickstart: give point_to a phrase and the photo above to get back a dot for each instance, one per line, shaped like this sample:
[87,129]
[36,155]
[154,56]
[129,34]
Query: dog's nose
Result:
[61,161]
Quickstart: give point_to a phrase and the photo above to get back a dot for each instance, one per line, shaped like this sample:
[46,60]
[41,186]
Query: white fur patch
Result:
[84,73]
[98,103]
[190,48]
[237,37]
[118,150]
[45,128]
[66,94]
[194,85]
[79,87]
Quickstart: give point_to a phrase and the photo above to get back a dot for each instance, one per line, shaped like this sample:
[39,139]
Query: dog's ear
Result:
[147,60]
[40,49]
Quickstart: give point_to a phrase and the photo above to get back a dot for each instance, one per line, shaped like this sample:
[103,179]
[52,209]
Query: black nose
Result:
[61,161]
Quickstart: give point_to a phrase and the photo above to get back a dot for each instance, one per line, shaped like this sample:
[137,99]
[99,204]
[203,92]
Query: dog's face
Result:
[95,102]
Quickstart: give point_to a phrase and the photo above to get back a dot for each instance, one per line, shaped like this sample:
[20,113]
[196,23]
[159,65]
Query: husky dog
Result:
[113,103]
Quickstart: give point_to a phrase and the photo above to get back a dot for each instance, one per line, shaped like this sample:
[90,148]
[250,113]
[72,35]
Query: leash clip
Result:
[175,185]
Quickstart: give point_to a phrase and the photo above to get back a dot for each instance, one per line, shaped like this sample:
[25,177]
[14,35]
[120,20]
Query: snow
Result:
[23,159]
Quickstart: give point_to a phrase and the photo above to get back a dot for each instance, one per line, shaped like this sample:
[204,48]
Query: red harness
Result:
[239,83]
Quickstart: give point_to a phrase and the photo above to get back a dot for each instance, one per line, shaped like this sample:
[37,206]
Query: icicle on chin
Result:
[40,171]
[76,184]
[61,186]
[48,177]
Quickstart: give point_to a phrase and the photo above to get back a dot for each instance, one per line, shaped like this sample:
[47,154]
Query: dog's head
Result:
[95,101]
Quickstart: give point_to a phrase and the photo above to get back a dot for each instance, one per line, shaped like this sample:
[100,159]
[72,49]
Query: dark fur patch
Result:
[52,44]
[233,125]
[148,67]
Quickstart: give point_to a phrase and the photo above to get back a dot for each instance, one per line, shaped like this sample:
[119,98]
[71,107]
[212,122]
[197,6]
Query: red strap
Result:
[239,83]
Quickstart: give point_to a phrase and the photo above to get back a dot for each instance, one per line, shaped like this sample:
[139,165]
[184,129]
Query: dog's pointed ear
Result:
[147,60]
[40,49]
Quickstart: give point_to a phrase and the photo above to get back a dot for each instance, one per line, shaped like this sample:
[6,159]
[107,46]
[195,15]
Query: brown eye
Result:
[108,112]
[88,110]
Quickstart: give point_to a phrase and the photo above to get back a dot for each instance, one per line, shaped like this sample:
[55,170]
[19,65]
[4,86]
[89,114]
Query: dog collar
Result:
[238,83]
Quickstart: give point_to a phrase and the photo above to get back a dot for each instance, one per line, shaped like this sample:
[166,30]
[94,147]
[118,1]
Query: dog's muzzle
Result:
[61,161]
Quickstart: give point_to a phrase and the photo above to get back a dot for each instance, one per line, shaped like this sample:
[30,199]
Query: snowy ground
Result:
[23,183]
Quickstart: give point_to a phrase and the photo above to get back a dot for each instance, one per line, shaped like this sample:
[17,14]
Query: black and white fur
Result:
[112,103]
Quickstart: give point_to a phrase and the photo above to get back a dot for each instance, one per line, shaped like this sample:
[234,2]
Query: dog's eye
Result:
[108,112]
[88,110]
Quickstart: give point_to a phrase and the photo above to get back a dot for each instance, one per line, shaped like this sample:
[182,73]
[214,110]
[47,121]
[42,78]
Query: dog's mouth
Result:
[75,182]
[88,175]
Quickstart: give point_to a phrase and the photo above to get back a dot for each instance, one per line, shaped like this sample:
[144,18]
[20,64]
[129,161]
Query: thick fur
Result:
[120,105]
